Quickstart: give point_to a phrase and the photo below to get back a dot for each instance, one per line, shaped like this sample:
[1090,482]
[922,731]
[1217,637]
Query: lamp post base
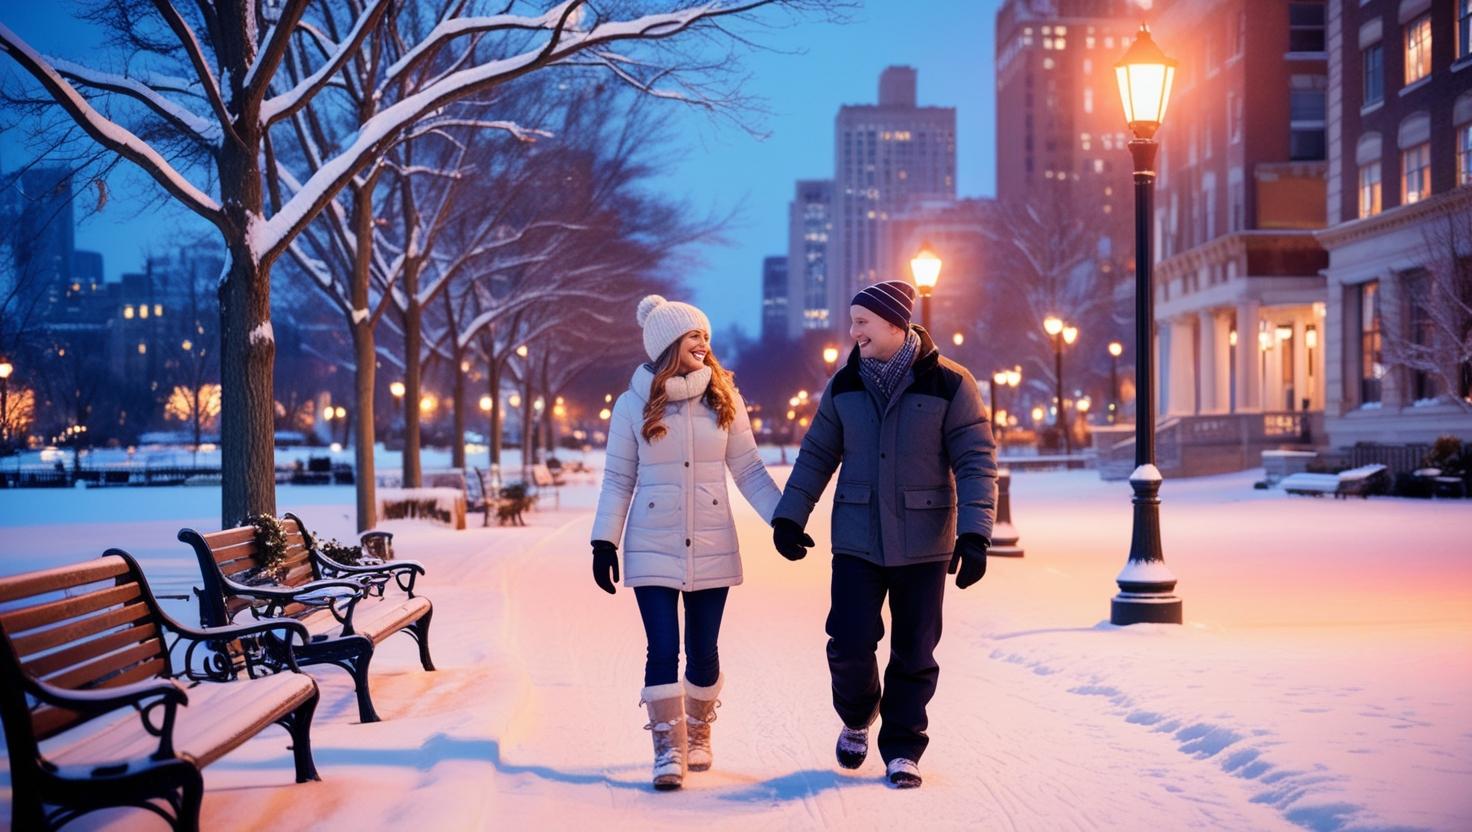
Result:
[1144,608]
[1004,534]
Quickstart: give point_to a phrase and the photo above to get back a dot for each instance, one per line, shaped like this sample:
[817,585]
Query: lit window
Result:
[1048,63]
[1416,177]
[143,310]
[1464,153]
[1085,141]
[1418,49]
[158,310]
[1088,99]
[1369,189]
[142,348]
[128,312]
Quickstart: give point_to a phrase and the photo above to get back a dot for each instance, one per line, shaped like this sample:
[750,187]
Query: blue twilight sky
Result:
[813,70]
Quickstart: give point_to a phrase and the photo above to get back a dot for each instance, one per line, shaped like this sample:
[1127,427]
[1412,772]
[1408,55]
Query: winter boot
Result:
[667,725]
[853,746]
[903,774]
[700,712]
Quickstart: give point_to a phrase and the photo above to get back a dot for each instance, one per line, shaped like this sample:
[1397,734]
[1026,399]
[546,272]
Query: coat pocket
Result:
[930,522]
[658,507]
[852,518]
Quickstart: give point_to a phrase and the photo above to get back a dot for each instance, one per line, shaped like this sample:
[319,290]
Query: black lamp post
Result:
[925,268]
[1146,585]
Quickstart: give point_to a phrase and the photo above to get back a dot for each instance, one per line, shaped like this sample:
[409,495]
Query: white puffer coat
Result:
[672,493]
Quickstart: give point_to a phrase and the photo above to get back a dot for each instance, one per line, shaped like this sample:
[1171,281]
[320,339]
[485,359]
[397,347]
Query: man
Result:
[917,491]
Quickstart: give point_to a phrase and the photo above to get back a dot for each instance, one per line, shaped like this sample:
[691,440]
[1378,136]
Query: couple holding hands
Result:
[906,431]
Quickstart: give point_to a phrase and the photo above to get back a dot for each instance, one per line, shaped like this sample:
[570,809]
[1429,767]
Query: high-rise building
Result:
[887,156]
[774,298]
[809,230]
[1058,113]
[1400,214]
[45,234]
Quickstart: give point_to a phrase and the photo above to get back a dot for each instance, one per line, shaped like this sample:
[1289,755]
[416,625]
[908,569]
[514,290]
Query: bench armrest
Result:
[339,596]
[219,665]
[404,572]
[96,701]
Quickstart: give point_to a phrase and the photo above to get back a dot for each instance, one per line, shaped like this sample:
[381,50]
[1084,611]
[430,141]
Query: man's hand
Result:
[968,563]
[605,565]
[790,539]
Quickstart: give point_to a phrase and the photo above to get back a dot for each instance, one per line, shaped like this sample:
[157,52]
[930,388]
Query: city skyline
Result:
[809,72]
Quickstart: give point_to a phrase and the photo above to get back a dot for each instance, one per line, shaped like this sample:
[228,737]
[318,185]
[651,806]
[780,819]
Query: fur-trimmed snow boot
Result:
[667,725]
[700,712]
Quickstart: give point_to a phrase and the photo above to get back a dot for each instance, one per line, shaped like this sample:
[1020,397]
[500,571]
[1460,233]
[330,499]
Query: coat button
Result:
[881,456]
[687,541]
[927,502]
[715,502]
[651,505]
[687,465]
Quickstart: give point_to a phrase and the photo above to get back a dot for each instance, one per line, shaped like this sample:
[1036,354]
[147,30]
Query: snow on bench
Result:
[1354,481]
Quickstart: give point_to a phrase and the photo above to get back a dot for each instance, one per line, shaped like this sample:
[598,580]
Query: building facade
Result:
[1240,195]
[809,230]
[887,157]
[1400,241]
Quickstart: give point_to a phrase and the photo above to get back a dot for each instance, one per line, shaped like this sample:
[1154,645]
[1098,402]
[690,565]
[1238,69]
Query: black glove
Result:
[605,565]
[790,539]
[970,558]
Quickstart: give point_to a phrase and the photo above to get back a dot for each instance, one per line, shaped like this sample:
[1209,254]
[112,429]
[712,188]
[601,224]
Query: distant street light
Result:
[1116,349]
[397,389]
[925,268]
[830,357]
[958,339]
[522,351]
[1146,585]
[486,403]
[6,368]
[1061,333]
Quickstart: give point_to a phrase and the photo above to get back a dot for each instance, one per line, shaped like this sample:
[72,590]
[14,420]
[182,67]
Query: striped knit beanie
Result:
[891,300]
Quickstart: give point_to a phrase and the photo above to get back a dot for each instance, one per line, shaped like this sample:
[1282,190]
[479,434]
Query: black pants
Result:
[854,631]
[659,607]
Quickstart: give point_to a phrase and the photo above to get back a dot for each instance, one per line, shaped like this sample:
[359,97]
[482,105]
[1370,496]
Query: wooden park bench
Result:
[346,608]
[109,702]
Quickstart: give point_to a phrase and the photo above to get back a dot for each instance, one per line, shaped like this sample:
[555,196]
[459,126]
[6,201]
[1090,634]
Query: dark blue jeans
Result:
[659,607]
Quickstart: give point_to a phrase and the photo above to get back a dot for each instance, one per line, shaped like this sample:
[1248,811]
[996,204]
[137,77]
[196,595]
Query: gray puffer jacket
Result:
[672,492]
[918,470]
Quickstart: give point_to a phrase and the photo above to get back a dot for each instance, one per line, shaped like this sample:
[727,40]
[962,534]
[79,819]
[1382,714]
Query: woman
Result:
[672,436]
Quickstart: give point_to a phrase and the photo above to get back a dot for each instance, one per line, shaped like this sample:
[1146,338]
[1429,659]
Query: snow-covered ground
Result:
[1321,680]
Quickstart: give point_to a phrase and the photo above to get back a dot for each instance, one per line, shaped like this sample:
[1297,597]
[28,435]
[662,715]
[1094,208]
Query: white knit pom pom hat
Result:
[666,322]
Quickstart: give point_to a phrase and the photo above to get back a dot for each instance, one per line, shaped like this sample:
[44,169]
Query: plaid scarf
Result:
[886,375]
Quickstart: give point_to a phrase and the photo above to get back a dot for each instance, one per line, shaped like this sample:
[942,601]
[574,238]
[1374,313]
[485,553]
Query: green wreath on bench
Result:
[271,540]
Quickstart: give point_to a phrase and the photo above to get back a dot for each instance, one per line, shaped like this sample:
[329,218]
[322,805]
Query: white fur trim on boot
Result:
[667,727]
[700,712]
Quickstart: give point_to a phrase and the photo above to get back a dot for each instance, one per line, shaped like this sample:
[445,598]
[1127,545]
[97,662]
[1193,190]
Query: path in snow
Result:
[1320,682]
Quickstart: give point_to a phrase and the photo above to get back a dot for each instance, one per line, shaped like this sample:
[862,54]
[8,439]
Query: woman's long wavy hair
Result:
[719,396]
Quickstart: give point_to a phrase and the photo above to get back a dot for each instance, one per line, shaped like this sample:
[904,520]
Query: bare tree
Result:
[1433,338]
[227,58]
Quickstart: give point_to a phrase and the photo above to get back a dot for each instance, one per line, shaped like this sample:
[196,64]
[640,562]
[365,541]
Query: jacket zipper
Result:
[689,498]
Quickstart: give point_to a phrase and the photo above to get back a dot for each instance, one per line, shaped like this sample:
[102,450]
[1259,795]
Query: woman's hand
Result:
[605,565]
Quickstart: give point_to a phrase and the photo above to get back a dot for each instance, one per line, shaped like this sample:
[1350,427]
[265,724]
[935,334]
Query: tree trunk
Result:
[247,344]
[528,440]
[412,395]
[493,369]
[457,391]
[365,361]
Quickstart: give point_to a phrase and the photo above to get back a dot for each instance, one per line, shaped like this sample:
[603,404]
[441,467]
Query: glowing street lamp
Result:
[6,368]
[397,389]
[830,357]
[958,339]
[1146,586]
[925,268]
[486,403]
